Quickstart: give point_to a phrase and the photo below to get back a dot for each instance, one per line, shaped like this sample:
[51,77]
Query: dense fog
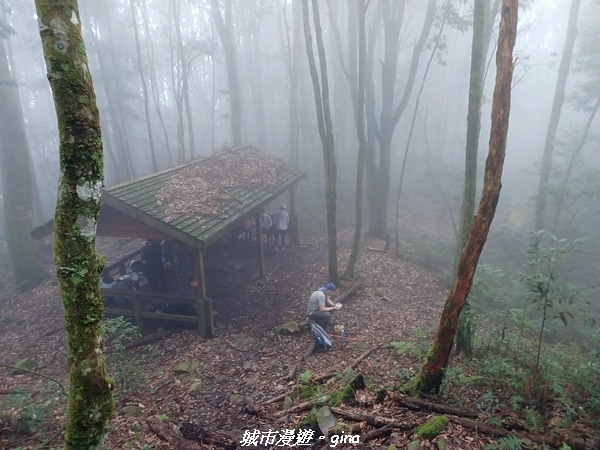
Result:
[160,72]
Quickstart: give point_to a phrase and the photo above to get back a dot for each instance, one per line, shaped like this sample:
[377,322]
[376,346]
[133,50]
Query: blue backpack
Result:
[322,340]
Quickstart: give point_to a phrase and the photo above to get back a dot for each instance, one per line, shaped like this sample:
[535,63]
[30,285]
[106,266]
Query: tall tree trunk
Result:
[379,180]
[144,87]
[560,202]
[432,373]
[434,49]
[90,403]
[292,60]
[17,182]
[176,76]
[255,68]
[156,97]
[321,93]
[359,114]
[559,98]
[464,337]
[225,31]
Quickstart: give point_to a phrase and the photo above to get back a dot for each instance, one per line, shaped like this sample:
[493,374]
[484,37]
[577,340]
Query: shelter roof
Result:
[199,202]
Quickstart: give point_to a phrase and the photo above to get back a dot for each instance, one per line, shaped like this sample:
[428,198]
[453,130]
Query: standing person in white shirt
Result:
[281,222]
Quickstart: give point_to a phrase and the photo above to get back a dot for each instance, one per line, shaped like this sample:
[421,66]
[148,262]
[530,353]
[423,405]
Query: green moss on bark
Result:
[90,404]
[430,429]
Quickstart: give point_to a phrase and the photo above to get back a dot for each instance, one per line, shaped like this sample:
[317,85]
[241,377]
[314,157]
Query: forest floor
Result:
[246,364]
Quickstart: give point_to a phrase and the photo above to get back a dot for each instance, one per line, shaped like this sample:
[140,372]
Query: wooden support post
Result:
[199,272]
[204,311]
[137,313]
[259,241]
[294,235]
[209,318]
[202,319]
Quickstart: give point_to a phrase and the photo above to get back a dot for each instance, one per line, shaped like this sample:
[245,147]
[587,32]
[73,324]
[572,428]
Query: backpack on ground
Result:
[322,340]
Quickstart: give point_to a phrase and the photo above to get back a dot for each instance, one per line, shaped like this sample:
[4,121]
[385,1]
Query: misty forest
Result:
[358,224]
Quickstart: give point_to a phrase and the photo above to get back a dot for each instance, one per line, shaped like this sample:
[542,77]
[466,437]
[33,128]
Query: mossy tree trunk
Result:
[432,373]
[78,266]
[321,93]
[17,181]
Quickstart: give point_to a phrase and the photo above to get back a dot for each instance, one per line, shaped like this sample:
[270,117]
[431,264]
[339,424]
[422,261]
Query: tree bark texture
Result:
[359,118]
[17,182]
[431,376]
[557,104]
[321,93]
[225,32]
[90,404]
[378,172]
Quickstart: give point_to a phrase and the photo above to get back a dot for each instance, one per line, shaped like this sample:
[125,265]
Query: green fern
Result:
[508,443]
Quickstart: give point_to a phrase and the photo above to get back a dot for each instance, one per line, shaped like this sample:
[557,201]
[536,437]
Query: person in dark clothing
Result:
[153,266]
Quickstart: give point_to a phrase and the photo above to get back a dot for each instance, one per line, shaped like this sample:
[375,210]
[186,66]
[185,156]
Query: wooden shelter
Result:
[197,204]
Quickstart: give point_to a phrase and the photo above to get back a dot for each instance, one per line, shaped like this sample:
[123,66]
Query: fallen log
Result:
[350,292]
[167,434]
[419,404]
[326,376]
[554,441]
[198,433]
[377,433]
[376,421]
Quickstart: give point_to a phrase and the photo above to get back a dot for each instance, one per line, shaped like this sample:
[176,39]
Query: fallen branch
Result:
[376,421]
[196,432]
[377,433]
[553,441]
[236,348]
[167,434]
[309,351]
[420,404]
[303,406]
[150,339]
[351,366]
[62,388]
[350,292]
[326,376]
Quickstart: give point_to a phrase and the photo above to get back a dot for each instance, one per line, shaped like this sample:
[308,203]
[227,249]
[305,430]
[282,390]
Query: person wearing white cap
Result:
[281,222]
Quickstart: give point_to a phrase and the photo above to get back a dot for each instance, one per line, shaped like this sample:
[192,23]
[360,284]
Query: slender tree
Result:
[557,104]
[145,99]
[482,32]
[321,93]
[17,179]
[359,118]
[225,31]
[432,373]
[90,403]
